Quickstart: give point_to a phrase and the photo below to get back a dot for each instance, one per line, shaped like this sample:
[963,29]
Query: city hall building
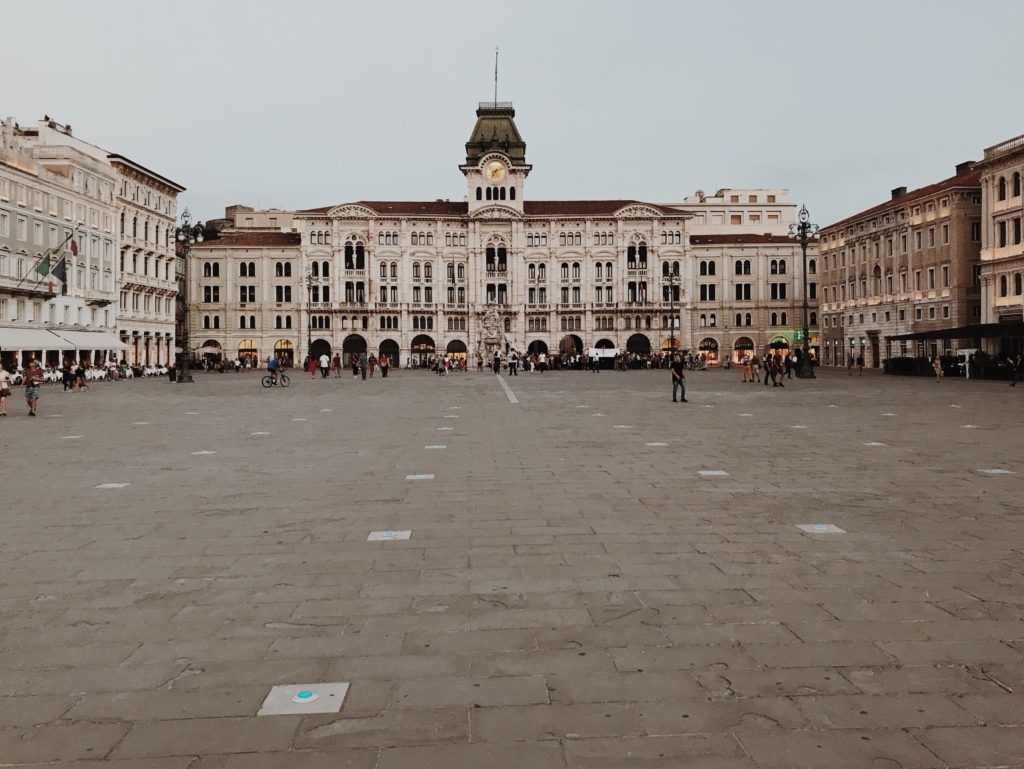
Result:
[712,274]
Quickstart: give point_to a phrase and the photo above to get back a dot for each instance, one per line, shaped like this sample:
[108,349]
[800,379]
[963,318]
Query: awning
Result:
[973,331]
[31,339]
[91,340]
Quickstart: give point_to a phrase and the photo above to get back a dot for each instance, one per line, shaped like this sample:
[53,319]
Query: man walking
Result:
[363,362]
[678,379]
[33,378]
[325,365]
[1017,371]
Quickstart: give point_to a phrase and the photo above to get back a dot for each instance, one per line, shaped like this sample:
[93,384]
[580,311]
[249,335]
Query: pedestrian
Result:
[542,362]
[6,381]
[325,365]
[80,381]
[354,363]
[312,365]
[860,365]
[769,366]
[748,370]
[385,364]
[67,377]
[336,365]
[937,368]
[678,370]
[789,367]
[372,364]
[778,370]
[33,378]
[479,363]
[497,362]
[849,365]
[755,364]
[362,364]
[1017,371]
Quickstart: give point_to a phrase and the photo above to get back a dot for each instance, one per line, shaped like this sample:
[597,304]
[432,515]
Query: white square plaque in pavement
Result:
[712,473]
[996,471]
[820,528]
[387,536]
[420,477]
[301,699]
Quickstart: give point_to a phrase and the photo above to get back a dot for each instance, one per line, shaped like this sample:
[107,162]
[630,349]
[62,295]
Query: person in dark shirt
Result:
[678,379]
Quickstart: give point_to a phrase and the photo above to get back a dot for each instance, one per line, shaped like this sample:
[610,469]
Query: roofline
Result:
[113,157]
[914,195]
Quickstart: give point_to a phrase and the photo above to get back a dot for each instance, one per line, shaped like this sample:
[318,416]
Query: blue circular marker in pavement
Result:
[304,696]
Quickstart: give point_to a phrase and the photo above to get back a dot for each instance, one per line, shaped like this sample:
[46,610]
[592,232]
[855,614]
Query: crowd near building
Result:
[87,264]
[716,275]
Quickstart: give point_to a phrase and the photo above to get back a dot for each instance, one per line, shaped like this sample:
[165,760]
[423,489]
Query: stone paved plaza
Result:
[574,592]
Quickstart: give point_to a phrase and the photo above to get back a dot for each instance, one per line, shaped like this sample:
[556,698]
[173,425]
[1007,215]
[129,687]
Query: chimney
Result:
[899,192]
[965,167]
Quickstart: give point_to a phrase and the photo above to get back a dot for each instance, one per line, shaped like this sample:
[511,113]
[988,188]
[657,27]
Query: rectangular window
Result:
[931,313]
[917,314]
[917,240]
[945,234]
[736,219]
[945,311]
[975,231]
[1002,234]
[917,280]
[931,277]
[945,276]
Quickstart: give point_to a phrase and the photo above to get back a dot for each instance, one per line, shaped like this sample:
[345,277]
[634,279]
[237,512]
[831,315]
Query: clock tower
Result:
[495,166]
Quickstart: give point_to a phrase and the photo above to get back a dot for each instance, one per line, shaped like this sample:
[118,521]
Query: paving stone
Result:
[292,759]
[493,755]
[621,687]
[470,692]
[32,711]
[853,749]
[1005,710]
[975,746]
[199,736]
[61,742]
[387,729]
[872,712]
[532,723]
[164,704]
[703,751]
[823,654]
[694,716]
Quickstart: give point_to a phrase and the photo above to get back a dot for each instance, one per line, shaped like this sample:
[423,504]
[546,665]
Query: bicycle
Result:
[282,379]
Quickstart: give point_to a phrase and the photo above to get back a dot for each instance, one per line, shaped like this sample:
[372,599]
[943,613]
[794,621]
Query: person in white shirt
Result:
[6,382]
[325,366]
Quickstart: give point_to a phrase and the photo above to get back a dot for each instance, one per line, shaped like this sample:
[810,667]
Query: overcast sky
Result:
[309,103]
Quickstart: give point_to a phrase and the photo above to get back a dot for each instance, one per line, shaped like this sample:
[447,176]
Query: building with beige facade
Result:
[711,274]
[57,203]
[1002,246]
[908,265]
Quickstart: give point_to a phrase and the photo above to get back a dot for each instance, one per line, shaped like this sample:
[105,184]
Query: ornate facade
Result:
[411,279]
[1002,245]
[908,265]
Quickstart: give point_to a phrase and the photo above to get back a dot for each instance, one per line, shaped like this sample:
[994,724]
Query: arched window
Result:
[597,270]
[252,321]
[508,325]
[739,267]
[489,193]
[350,250]
[428,271]
[783,317]
[383,269]
[501,193]
[812,267]
[277,322]
[122,222]
[782,266]
[675,268]
[278,269]
[711,268]
[325,270]
[394,269]
[748,319]
[576,270]
[664,269]
[360,257]
[415,270]
[746,266]
[287,321]
[216,321]
[241,321]
[714,320]
[479,193]
[415,239]
[511,193]
[327,240]
[502,259]
[739,319]
[206,321]
[774,267]
[703,268]
[579,239]
[1017,284]
[1002,188]
[207,270]
[775,319]
[608,270]
[135,226]
[703,319]
[565,271]
[1016,184]
[1002,286]
[216,269]
[287,269]
[314,269]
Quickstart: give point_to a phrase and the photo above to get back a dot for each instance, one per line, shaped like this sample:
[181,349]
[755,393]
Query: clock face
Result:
[495,171]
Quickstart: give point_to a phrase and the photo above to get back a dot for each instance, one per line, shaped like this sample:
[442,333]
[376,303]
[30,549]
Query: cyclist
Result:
[273,365]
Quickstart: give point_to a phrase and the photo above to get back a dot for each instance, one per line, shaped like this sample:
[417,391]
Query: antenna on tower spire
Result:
[495,76]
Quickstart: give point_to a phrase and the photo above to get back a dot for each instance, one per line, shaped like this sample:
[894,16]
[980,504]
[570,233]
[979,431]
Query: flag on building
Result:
[43,268]
[60,272]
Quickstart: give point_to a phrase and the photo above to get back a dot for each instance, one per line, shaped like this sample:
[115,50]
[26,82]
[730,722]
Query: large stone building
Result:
[57,203]
[908,265]
[411,279]
[124,231]
[1002,245]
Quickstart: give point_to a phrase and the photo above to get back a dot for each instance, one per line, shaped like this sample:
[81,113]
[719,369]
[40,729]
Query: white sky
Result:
[314,102]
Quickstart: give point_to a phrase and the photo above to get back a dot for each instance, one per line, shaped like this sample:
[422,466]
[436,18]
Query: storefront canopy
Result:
[91,340]
[974,331]
[32,339]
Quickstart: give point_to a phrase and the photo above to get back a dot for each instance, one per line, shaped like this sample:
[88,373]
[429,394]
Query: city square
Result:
[594,576]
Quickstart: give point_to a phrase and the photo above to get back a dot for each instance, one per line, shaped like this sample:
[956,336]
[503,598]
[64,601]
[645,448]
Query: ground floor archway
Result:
[320,347]
[390,348]
[639,344]
[708,348]
[537,346]
[422,349]
[353,344]
[284,351]
[247,351]
[570,345]
[604,344]
[742,347]
[457,349]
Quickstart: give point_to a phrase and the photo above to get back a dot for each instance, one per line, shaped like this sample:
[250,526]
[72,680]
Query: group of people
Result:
[360,364]
[32,378]
[775,367]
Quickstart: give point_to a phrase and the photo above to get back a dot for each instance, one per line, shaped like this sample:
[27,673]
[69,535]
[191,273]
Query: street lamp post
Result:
[187,235]
[310,282]
[803,232]
[673,281]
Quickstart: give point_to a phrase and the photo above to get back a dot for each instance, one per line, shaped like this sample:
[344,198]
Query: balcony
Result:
[496,274]
[543,307]
[355,273]
[571,306]
[456,307]
[636,272]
